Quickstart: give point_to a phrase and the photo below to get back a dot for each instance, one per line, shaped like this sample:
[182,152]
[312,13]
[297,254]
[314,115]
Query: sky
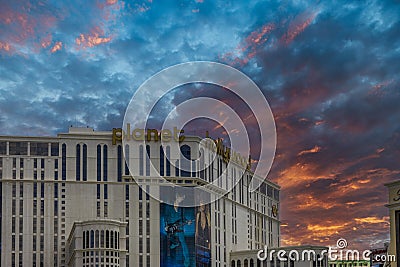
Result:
[329,70]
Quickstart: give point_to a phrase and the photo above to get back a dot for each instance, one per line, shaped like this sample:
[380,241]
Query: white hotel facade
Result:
[70,200]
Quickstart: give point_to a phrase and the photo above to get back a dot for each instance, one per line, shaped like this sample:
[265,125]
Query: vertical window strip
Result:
[141,160]
[162,160]
[127,160]
[147,160]
[119,163]
[98,163]
[168,163]
[84,162]
[78,162]
[64,162]
[105,163]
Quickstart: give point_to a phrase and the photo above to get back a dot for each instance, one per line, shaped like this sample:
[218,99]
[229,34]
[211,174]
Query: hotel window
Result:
[107,239]
[20,245]
[21,190]
[78,162]
[97,239]
[42,190]
[41,243]
[98,163]
[147,194]
[102,238]
[127,192]
[21,207]
[116,243]
[14,190]
[127,160]
[39,149]
[91,239]
[276,194]
[3,148]
[212,172]
[177,168]
[105,161]
[64,162]
[168,163]
[87,239]
[98,209]
[162,160]
[201,168]
[54,149]
[147,209]
[18,148]
[141,160]
[55,190]
[98,191]
[42,207]
[84,162]
[185,161]
[105,192]
[147,160]
[193,168]
[34,207]
[119,164]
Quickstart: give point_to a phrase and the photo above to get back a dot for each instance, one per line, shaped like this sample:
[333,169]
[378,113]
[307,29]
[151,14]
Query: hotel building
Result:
[394,213]
[71,200]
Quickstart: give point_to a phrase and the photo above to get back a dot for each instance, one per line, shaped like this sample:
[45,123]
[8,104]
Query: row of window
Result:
[101,239]
[35,148]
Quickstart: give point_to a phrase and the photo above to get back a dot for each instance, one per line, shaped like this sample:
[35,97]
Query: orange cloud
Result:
[308,202]
[372,220]
[111,2]
[315,149]
[247,49]
[300,173]
[297,26]
[5,46]
[319,230]
[92,39]
[56,47]
[21,29]
[46,41]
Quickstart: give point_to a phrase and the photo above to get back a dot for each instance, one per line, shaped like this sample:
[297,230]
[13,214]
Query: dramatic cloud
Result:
[329,71]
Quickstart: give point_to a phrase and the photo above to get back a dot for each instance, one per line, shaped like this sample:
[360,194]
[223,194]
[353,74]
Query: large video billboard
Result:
[185,234]
[203,236]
